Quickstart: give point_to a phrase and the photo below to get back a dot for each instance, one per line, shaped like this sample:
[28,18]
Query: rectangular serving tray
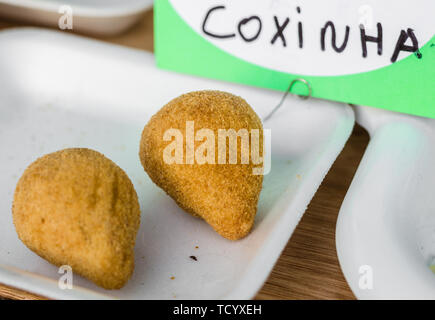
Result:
[59,90]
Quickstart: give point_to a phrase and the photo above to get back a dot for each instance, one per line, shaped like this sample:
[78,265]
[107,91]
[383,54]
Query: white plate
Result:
[386,224]
[59,90]
[103,17]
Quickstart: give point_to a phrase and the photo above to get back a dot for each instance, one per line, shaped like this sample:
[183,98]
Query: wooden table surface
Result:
[308,267]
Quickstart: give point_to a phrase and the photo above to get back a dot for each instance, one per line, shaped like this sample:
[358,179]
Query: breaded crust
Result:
[76,207]
[224,195]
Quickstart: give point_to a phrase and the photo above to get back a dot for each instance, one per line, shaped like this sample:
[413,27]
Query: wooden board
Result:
[308,267]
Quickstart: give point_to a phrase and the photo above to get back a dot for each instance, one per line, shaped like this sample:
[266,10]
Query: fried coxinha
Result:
[224,194]
[76,207]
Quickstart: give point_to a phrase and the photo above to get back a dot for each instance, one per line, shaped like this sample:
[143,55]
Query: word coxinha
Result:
[250,29]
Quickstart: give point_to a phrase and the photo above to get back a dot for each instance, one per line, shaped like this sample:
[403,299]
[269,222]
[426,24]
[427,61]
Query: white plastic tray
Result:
[59,90]
[103,17]
[386,225]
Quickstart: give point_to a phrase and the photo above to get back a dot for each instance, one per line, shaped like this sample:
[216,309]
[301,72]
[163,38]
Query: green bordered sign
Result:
[378,53]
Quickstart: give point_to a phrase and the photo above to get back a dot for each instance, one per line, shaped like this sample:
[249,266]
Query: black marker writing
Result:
[250,29]
[279,30]
[300,32]
[330,25]
[401,46]
[204,29]
[365,38]
[245,22]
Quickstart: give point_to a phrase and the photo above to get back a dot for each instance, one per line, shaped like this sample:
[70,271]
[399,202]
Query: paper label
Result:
[376,53]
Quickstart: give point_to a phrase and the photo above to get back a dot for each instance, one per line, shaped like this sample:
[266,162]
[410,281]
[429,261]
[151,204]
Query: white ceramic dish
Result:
[99,17]
[59,90]
[386,224]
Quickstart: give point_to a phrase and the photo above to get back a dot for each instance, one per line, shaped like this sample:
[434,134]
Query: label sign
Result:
[368,52]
